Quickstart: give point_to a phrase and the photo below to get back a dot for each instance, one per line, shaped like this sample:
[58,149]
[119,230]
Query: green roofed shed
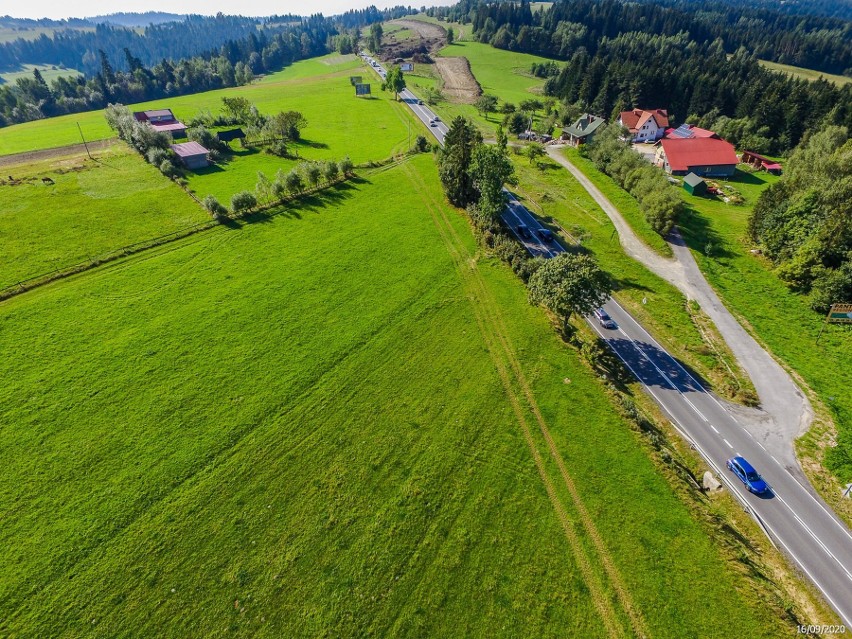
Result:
[694,185]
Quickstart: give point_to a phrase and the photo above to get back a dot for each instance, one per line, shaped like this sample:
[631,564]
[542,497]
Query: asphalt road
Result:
[423,112]
[792,516]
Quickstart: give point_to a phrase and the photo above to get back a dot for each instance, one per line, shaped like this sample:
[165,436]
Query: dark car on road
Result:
[748,475]
[604,319]
[523,230]
[545,235]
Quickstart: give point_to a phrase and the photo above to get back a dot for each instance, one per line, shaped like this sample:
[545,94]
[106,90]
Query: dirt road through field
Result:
[48,154]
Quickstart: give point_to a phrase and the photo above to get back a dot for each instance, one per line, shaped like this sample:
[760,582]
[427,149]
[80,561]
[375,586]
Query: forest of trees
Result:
[803,222]
[814,42]
[697,81]
[78,49]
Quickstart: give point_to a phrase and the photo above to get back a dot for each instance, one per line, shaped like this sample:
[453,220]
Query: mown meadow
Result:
[91,207]
[334,419]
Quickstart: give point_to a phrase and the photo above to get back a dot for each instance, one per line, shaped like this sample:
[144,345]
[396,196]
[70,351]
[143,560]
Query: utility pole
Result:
[79,128]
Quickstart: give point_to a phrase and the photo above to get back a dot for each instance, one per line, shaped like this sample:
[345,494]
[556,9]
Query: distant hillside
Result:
[137,19]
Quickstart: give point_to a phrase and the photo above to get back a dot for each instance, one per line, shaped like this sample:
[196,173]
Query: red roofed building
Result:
[702,156]
[162,120]
[690,131]
[645,126]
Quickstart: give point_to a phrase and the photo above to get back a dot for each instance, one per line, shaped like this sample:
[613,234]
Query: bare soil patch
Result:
[48,154]
[459,83]
[428,38]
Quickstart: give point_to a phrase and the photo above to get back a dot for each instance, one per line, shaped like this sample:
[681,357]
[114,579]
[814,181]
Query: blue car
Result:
[748,475]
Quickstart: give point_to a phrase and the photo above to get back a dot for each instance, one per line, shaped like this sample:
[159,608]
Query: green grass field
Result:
[779,317]
[339,124]
[48,72]
[318,87]
[503,74]
[807,74]
[92,208]
[460,31]
[315,426]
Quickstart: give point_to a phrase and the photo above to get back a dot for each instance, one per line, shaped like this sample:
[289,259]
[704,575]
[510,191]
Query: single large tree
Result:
[490,169]
[535,150]
[394,81]
[374,42]
[454,162]
[486,104]
[568,284]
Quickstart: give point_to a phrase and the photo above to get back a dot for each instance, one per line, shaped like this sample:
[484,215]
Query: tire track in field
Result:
[496,344]
[637,620]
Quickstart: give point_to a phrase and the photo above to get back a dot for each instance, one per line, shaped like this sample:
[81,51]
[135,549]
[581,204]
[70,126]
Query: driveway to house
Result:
[786,412]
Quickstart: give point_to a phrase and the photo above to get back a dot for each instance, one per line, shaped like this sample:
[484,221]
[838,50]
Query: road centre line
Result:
[805,490]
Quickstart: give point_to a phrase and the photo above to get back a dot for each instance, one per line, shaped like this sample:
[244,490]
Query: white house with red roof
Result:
[704,156]
[645,126]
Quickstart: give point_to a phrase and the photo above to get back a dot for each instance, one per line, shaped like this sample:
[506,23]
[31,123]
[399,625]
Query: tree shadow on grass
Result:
[313,203]
[207,170]
[744,177]
[312,144]
[697,234]
[628,283]
[547,167]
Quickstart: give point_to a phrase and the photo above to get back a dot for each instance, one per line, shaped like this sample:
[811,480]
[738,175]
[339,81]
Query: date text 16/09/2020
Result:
[821,630]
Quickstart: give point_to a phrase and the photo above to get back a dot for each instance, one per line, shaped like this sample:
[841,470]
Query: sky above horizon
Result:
[85,8]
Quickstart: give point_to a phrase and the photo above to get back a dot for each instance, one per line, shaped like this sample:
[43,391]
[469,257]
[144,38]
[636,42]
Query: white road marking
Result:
[805,490]
[813,535]
[736,490]
[728,443]
[715,430]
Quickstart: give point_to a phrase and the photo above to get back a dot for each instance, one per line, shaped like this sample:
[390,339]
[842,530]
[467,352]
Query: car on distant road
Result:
[433,123]
[523,230]
[545,235]
[437,119]
[420,102]
[604,319]
[748,475]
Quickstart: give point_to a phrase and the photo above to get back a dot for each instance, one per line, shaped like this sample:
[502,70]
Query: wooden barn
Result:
[192,155]
[230,135]
[760,162]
